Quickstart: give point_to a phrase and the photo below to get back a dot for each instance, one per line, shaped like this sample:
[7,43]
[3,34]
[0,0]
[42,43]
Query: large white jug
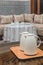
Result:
[31,46]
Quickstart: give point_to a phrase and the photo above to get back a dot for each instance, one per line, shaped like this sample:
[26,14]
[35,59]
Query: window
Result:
[14,7]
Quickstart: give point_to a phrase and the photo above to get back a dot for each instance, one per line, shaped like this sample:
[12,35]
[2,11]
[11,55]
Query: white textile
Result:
[12,31]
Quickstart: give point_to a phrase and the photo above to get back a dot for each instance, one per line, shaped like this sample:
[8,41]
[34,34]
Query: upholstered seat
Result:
[39,28]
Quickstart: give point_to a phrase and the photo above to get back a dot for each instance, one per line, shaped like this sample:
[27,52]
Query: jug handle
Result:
[39,41]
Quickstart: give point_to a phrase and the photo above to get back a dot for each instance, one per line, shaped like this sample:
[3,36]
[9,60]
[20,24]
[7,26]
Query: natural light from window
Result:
[15,6]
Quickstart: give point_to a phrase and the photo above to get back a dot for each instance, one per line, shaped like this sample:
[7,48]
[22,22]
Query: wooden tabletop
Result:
[20,54]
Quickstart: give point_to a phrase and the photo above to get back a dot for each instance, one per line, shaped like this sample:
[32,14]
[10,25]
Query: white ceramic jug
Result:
[28,43]
[22,40]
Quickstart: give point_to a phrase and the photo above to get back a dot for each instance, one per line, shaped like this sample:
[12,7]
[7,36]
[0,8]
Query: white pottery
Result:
[28,43]
[22,40]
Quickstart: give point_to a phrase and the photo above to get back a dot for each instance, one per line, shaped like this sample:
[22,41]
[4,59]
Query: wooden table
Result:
[27,60]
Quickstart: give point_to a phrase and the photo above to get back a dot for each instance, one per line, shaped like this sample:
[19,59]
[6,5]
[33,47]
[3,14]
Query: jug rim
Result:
[31,34]
[24,33]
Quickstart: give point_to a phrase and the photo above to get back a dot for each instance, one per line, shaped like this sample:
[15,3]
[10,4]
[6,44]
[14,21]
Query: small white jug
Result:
[22,40]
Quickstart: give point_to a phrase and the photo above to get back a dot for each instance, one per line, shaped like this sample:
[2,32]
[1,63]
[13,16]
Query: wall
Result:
[14,7]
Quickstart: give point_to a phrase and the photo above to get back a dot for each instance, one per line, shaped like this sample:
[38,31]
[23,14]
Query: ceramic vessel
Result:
[28,43]
[22,40]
